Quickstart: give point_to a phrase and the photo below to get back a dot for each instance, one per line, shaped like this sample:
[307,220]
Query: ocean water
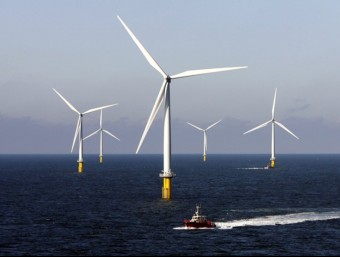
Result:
[115,208]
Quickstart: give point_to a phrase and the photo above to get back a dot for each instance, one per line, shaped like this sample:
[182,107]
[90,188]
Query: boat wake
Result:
[253,168]
[277,220]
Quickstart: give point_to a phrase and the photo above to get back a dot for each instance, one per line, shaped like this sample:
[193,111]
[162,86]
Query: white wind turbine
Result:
[79,128]
[273,122]
[101,130]
[205,140]
[164,93]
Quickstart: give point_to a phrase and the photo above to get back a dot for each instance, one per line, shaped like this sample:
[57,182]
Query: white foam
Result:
[279,219]
[252,168]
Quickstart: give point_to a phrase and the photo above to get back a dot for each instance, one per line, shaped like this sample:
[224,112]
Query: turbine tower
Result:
[164,94]
[101,130]
[79,128]
[205,140]
[273,122]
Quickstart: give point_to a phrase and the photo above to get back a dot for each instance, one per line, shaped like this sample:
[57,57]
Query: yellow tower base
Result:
[101,159]
[80,167]
[272,164]
[204,157]
[166,189]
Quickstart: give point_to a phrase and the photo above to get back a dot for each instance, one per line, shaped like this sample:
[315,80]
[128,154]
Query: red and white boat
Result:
[198,220]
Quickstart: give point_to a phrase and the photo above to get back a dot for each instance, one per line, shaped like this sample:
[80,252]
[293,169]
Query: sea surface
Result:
[115,208]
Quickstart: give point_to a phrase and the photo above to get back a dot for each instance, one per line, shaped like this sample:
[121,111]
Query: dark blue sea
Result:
[115,208]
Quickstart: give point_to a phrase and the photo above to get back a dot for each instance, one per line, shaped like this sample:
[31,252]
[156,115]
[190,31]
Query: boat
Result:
[198,220]
[268,167]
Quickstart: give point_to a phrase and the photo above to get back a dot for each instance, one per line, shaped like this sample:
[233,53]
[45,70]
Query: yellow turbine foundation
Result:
[204,157]
[80,167]
[166,189]
[272,163]
[101,159]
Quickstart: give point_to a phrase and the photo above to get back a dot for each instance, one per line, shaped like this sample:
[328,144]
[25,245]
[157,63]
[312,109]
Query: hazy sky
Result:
[81,49]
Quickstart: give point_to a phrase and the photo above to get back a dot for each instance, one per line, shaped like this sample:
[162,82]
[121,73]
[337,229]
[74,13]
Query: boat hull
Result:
[207,224]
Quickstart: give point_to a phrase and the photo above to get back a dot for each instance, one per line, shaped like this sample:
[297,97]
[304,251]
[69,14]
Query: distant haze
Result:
[81,49]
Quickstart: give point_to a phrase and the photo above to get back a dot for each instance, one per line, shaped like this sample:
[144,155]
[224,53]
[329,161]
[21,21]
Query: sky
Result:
[81,49]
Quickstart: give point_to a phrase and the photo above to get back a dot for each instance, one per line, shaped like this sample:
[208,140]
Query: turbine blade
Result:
[273,110]
[204,71]
[92,134]
[258,127]
[153,113]
[278,123]
[67,102]
[195,126]
[148,57]
[213,125]
[76,134]
[99,108]
[107,132]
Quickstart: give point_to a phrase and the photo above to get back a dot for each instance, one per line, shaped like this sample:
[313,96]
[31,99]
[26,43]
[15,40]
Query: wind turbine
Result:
[273,122]
[164,93]
[101,130]
[79,128]
[205,140]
